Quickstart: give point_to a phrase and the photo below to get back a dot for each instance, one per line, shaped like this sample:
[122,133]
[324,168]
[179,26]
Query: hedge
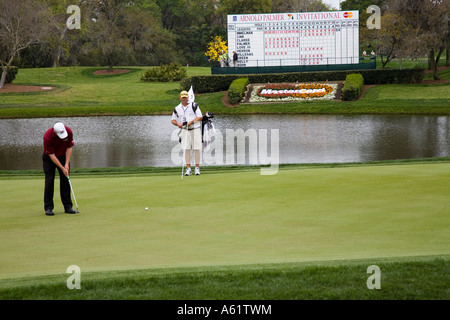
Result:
[353,86]
[164,73]
[237,90]
[215,83]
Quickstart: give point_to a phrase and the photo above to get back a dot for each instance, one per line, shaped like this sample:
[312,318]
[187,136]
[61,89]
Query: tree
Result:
[367,36]
[430,19]
[57,37]
[106,32]
[299,6]
[447,61]
[172,13]
[392,38]
[203,21]
[215,48]
[150,43]
[22,23]
[362,5]
[191,23]
[245,6]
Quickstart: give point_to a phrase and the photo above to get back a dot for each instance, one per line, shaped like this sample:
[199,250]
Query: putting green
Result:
[220,218]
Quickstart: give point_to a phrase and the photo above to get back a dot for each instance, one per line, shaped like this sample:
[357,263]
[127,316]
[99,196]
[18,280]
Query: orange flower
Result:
[294,90]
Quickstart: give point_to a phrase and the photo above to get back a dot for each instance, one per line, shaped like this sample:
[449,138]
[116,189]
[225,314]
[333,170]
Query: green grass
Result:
[404,278]
[80,93]
[307,232]
[397,63]
[443,75]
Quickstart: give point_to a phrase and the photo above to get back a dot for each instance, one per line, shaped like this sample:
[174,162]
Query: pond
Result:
[141,141]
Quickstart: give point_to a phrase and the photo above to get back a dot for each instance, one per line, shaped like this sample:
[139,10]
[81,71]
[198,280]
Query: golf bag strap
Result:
[194,108]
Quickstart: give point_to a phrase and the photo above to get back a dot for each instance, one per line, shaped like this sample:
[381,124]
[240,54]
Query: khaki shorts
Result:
[191,139]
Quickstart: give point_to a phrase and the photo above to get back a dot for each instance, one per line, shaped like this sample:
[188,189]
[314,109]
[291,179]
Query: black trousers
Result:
[64,186]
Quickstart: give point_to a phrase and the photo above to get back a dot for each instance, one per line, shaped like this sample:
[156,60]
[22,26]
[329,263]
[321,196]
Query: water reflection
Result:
[149,140]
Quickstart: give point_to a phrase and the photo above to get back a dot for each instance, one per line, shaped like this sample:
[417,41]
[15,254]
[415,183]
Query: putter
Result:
[73,194]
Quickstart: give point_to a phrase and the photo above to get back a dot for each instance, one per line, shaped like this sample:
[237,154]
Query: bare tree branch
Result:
[22,23]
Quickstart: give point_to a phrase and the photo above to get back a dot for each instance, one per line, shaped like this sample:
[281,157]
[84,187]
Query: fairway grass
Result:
[299,215]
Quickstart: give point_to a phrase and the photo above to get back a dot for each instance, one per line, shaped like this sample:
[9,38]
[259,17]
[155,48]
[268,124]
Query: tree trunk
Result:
[383,62]
[435,73]
[3,78]
[438,57]
[433,64]
[5,70]
[447,60]
[57,56]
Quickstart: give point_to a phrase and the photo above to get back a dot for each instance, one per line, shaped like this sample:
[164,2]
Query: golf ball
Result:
[146,208]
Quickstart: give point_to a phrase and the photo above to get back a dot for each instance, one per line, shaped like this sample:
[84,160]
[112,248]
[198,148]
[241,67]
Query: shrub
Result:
[203,84]
[11,74]
[353,86]
[237,89]
[215,83]
[165,73]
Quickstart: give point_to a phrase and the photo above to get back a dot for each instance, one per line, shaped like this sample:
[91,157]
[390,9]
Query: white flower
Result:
[254,97]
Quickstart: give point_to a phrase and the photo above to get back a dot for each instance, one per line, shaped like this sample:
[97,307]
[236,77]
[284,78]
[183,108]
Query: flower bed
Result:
[293,92]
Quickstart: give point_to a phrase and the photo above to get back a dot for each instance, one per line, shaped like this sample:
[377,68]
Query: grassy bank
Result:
[308,232]
[406,278]
[79,93]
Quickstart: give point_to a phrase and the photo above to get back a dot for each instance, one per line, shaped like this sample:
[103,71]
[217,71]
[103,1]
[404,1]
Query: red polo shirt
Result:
[54,145]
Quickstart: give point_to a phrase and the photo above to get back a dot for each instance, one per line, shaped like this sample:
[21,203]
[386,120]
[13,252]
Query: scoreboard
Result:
[286,39]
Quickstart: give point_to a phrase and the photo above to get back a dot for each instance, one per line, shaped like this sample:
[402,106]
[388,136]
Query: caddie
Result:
[188,117]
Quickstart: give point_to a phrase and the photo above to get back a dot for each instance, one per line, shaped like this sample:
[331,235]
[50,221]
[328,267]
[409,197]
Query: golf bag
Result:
[207,129]
[207,126]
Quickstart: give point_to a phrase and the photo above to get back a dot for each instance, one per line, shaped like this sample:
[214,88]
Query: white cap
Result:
[60,130]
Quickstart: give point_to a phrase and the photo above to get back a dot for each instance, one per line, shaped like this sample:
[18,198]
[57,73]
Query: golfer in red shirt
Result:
[58,143]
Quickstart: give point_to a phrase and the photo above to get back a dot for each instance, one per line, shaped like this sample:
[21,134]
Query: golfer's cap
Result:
[184,94]
[60,130]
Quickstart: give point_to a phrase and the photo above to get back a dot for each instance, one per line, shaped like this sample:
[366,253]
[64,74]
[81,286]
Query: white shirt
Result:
[186,112]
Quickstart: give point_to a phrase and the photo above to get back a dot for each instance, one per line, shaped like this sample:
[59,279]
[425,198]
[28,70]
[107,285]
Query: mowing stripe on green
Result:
[227,218]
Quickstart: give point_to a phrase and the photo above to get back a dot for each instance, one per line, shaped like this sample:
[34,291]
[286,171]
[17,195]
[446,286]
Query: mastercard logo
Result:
[348,14]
